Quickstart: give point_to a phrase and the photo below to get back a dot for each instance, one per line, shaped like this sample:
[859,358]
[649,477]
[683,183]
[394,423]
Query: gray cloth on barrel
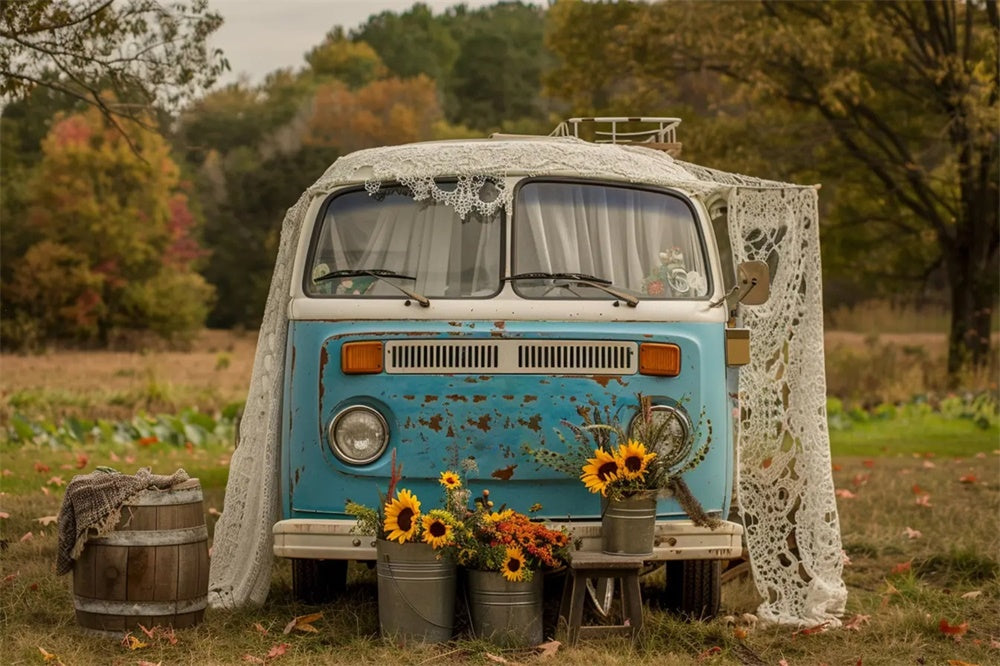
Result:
[93,504]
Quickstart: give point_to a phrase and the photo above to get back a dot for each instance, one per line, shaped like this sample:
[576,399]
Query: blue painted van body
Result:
[437,420]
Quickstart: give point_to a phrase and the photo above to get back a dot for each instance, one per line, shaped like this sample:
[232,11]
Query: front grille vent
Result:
[564,357]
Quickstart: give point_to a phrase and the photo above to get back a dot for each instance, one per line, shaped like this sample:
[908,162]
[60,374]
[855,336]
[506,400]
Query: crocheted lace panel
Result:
[785,487]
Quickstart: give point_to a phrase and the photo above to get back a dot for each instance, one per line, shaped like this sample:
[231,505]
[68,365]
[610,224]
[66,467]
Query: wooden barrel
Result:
[152,570]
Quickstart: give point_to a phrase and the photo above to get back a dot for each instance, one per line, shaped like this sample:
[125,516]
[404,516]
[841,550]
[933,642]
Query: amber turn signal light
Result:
[361,358]
[662,360]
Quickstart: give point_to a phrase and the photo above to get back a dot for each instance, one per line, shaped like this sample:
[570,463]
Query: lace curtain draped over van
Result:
[786,490]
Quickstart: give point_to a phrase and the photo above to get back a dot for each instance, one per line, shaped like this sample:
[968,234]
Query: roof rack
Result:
[605,130]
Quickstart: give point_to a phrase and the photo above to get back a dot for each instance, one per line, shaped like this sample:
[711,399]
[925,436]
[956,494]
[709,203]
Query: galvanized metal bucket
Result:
[416,592]
[627,525]
[505,612]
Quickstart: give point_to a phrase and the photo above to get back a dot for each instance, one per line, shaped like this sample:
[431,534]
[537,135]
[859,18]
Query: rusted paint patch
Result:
[504,473]
[529,398]
[434,423]
[478,398]
[470,380]
[500,324]
[409,397]
[456,397]
[430,398]
[534,423]
[451,431]
[408,423]
[483,422]
[507,397]
[602,380]
[456,324]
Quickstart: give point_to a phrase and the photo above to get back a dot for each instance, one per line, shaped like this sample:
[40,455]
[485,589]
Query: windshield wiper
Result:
[379,274]
[603,284]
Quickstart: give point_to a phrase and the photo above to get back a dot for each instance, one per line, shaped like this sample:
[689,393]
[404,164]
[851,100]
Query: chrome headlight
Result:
[668,433]
[358,435]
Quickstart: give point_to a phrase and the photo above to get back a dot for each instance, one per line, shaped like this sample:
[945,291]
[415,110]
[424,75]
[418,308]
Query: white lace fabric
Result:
[785,487]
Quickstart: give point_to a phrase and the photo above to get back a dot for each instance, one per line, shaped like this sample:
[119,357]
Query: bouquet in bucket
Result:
[509,542]
[648,457]
[400,519]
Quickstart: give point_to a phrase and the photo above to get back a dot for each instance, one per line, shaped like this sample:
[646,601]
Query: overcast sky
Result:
[260,36]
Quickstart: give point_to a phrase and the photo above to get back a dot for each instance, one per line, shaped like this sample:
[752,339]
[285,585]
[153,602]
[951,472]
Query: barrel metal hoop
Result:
[153,537]
[166,497]
[139,608]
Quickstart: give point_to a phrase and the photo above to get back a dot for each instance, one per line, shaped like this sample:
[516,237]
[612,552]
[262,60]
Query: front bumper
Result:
[315,539]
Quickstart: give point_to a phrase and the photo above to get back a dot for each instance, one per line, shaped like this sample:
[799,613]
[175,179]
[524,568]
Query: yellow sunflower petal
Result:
[600,471]
[513,565]
[402,516]
[633,461]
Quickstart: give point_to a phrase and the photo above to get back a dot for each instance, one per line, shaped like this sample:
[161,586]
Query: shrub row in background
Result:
[187,426]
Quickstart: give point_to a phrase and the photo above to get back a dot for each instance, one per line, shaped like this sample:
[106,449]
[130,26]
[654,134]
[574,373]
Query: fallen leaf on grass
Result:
[860,480]
[929,465]
[48,656]
[57,481]
[260,628]
[740,633]
[548,649]
[924,500]
[45,491]
[28,536]
[7,472]
[972,595]
[212,511]
[868,463]
[782,663]
[498,659]
[278,650]
[954,630]
[968,478]
[856,622]
[844,493]
[148,663]
[816,629]
[47,520]
[910,533]
[917,490]
[42,468]
[82,460]
[4,514]
[10,577]
[114,457]
[252,659]
[303,623]
[709,653]
[902,567]
[959,662]
[133,643]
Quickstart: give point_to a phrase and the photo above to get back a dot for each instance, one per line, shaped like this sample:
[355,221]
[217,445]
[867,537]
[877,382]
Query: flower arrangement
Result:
[400,518]
[509,542]
[621,465]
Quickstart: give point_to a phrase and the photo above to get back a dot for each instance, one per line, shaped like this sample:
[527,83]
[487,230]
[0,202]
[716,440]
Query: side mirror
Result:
[754,282]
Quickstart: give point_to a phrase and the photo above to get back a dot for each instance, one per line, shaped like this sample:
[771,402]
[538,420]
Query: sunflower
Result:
[437,529]
[600,471]
[450,480]
[401,517]
[513,565]
[494,517]
[633,459]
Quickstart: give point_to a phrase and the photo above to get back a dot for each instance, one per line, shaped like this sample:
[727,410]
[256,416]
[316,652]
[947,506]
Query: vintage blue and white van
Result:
[421,327]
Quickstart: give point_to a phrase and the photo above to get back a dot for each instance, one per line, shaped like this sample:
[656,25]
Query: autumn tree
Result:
[908,93]
[116,248]
[352,62]
[145,52]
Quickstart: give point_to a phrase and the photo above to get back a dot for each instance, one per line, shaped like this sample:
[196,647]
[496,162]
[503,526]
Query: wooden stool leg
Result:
[577,597]
[632,602]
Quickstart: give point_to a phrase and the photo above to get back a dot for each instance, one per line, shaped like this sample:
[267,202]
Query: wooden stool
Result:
[586,565]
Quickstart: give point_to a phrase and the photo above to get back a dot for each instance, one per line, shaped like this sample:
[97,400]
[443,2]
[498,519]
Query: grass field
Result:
[918,497]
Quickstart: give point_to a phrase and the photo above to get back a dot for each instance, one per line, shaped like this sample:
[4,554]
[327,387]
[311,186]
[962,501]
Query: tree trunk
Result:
[973,291]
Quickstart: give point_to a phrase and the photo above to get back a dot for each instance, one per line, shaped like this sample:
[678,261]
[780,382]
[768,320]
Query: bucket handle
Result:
[407,601]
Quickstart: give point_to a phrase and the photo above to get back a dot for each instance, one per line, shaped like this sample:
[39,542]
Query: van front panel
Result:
[439,416]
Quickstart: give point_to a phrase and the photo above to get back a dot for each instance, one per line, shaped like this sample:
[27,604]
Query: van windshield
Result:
[644,242]
[443,255]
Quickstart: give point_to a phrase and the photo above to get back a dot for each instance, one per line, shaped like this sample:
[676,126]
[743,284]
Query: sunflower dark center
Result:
[633,463]
[606,470]
[405,519]
[513,564]
[438,529]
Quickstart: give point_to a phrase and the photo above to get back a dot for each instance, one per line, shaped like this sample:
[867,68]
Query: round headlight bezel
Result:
[338,420]
[678,452]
